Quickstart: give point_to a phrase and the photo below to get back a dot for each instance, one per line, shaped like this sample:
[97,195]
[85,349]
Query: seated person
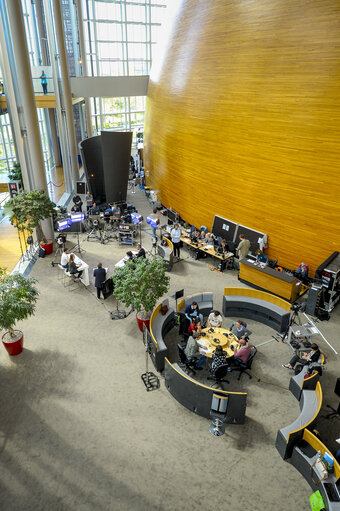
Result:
[243,352]
[77,201]
[76,208]
[261,258]
[65,256]
[223,249]
[192,350]
[193,311]
[306,358]
[95,210]
[215,319]
[74,267]
[195,235]
[238,328]
[195,326]
[202,236]
[141,251]
[210,238]
[129,256]
[116,211]
[218,359]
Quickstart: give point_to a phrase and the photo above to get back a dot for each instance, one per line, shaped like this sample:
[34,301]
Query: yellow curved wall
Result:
[243,121]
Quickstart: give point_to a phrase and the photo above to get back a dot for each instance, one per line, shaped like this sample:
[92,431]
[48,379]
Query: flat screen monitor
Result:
[107,288]
[172,216]
[224,228]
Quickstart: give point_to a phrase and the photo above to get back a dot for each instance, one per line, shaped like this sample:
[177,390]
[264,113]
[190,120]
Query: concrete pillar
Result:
[24,77]
[54,136]
[67,96]
[84,66]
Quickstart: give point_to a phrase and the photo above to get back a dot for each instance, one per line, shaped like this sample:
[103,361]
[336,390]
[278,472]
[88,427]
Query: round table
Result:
[218,336]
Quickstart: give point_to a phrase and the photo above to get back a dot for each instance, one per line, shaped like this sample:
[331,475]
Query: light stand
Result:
[150,380]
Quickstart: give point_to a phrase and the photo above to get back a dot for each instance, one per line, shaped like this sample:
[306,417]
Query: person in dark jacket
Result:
[73,267]
[99,274]
[306,358]
[141,251]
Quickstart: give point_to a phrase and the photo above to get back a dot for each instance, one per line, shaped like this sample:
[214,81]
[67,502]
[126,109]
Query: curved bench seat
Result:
[197,397]
[310,404]
[160,325]
[204,300]
[256,306]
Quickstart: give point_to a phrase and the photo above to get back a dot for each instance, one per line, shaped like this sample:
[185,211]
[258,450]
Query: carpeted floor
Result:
[78,431]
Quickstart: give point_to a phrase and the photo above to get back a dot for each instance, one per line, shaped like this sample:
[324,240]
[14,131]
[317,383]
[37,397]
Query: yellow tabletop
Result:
[219,337]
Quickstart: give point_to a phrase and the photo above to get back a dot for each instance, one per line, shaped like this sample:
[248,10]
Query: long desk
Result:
[205,248]
[84,267]
[279,283]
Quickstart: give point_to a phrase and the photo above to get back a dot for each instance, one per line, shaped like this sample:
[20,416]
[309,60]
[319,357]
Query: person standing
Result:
[99,274]
[77,201]
[176,239]
[43,79]
[242,248]
[89,201]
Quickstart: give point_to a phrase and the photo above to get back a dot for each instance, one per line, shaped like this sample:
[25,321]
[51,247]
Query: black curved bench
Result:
[160,325]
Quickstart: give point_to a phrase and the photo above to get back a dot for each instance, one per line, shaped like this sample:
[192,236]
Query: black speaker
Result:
[81,188]
[337,387]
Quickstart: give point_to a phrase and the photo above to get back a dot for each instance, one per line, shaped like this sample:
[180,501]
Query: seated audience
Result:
[238,328]
[100,276]
[202,236]
[223,249]
[193,311]
[218,359]
[195,235]
[75,209]
[261,258]
[195,326]
[141,251]
[210,238]
[243,352]
[129,256]
[74,267]
[192,350]
[215,319]
[305,359]
[65,256]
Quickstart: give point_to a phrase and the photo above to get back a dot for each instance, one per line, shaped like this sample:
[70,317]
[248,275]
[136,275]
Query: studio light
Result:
[136,218]
[64,224]
[77,217]
[152,220]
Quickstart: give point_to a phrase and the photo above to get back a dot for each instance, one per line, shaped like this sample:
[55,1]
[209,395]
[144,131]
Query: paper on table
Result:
[201,343]
[205,350]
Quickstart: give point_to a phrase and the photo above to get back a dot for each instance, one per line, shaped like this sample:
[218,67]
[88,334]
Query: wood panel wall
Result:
[244,121]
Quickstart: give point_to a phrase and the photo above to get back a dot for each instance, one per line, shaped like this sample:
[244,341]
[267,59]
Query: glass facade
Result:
[120,36]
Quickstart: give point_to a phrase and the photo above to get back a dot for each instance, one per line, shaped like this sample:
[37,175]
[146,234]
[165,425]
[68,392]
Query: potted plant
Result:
[18,297]
[140,283]
[28,209]
[15,173]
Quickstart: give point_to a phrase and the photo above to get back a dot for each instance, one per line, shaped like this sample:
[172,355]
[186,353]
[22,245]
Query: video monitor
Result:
[250,234]
[224,228]
[172,216]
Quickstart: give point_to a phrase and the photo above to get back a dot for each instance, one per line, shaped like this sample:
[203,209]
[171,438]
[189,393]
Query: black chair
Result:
[183,327]
[272,263]
[243,366]
[220,373]
[188,362]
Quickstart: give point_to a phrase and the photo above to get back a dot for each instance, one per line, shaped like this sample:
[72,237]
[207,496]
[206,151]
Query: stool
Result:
[61,272]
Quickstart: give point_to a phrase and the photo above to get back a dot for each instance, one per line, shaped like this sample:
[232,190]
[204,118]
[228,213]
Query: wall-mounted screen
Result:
[224,228]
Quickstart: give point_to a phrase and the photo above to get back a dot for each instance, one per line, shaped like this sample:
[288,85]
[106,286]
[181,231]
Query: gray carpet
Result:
[78,430]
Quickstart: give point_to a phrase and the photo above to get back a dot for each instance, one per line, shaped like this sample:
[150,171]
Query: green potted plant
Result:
[140,283]
[18,297]
[15,173]
[28,209]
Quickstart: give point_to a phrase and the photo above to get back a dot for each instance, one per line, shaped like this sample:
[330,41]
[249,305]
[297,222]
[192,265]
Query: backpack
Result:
[42,252]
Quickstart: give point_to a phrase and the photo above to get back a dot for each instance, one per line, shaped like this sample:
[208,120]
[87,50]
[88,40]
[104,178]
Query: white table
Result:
[122,262]
[84,267]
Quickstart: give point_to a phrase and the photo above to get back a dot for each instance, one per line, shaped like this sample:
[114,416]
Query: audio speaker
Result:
[81,188]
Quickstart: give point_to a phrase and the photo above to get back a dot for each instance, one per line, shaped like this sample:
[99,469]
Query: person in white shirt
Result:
[65,256]
[176,239]
[215,319]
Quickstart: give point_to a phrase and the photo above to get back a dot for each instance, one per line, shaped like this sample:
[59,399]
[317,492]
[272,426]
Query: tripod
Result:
[150,380]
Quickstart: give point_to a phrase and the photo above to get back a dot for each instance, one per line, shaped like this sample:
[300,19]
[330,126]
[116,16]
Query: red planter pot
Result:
[13,347]
[48,247]
[142,322]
